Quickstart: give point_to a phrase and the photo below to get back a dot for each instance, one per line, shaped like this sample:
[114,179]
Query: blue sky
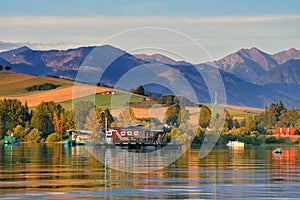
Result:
[146,8]
[221,27]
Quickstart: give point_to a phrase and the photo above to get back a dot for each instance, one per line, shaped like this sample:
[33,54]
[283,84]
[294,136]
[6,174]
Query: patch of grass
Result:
[241,114]
[12,84]
[105,101]
[237,112]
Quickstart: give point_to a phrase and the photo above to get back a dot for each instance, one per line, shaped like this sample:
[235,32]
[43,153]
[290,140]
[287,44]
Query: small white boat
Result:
[235,143]
[278,150]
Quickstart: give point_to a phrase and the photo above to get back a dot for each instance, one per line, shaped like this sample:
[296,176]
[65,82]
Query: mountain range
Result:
[251,77]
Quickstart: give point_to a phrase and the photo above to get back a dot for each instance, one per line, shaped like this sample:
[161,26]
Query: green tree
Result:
[261,129]
[139,90]
[205,116]
[12,113]
[34,136]
[101,115]
[7,68]
[43,115]
[250,125]
[236,123]
[288,118]
[270,118]
[1,68]
[228,120]
[81,110]
[297,124]
[243,123]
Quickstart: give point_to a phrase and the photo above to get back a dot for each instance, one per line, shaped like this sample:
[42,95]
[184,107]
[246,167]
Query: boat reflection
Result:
[284,164]
[136,161]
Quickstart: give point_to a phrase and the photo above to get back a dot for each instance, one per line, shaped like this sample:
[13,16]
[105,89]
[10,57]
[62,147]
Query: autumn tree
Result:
[54,137]
[58,122]
[205,116]
[172,114]
[126,117]
[69,122]
[34,136]
[176,115]
[20,132]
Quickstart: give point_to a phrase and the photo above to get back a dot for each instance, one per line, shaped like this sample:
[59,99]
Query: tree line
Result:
[44,86]
[49,121]
[6,68]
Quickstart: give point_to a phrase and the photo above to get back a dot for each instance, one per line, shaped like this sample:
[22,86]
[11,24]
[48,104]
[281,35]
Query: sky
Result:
[219,27]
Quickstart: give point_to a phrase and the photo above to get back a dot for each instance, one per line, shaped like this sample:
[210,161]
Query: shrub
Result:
[45,86]
[271,140]
[54,137]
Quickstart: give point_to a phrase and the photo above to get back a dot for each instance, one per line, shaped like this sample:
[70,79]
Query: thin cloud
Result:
[97,20]
[5,45]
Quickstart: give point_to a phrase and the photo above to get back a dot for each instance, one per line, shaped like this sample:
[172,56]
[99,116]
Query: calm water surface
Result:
[37,171]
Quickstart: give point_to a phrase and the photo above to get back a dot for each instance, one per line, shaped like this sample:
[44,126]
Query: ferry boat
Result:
[10,140]
[77,137]
[235,143]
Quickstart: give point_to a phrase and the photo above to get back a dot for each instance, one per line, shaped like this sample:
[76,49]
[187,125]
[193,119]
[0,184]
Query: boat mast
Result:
[105,125]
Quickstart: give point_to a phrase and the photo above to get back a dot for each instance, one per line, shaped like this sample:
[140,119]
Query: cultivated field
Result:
[13,85]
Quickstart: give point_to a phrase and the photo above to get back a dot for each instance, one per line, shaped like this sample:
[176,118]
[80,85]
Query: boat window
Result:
[136,133]
[109,133]
[123,133]
[129,133]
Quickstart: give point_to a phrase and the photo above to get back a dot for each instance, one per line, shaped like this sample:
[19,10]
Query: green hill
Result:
[14,85]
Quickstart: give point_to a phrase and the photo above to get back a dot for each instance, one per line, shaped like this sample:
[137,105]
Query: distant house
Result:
[279,131]
[110,92]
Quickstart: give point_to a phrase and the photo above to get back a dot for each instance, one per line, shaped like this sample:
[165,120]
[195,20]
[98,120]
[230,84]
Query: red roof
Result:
[286,131]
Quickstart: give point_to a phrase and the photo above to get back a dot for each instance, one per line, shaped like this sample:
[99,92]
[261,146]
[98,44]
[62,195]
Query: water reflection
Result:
[284,165]
[135,161]
[54,171]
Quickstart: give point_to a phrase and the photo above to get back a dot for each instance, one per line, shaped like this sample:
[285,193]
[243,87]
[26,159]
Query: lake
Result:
[37,171]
